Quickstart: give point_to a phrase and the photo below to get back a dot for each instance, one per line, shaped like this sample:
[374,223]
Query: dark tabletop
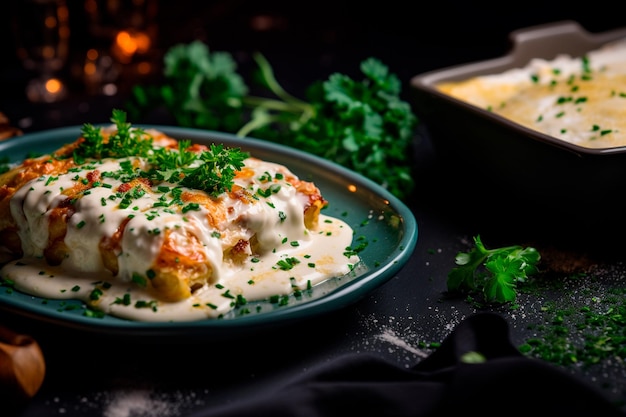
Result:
[404,319]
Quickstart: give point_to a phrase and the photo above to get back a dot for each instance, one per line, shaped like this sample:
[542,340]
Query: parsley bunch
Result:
[363,125]
[124,142]
[494,272]
[201,89]
[216,171]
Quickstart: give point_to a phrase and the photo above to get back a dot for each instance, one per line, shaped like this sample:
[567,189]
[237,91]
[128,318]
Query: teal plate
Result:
[380,221]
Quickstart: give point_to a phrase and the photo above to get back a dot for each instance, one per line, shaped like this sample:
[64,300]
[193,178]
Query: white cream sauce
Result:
[319,253]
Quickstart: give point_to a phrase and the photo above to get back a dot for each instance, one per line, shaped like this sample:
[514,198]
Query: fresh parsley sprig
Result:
[212,170]
[125,141]
[216,172]
[363,124]
[494,272]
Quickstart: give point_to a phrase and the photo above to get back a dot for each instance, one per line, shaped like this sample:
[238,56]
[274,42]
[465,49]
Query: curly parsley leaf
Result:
[217,170]
[125,141]
[494,272]
[363,125]
[201,89]
[212,170]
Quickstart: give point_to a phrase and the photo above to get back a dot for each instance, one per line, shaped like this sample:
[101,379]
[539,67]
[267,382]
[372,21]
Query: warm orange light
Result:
[144,68]
[126,43]
[143,42]
[64,32]
[48,51]
[92,54]
[53,86]
[352,188]
[50,22]
[89,68]
[63,12]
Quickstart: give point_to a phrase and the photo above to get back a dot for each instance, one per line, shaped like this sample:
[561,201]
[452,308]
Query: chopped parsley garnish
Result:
[287,263]
[212,170]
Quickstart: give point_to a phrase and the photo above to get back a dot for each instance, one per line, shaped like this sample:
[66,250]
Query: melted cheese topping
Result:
[149,260]
[578,100]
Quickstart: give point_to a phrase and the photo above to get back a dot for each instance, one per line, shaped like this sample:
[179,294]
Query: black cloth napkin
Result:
[506,383]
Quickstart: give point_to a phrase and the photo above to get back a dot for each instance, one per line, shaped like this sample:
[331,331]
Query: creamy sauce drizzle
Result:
[258,280]
[319,253]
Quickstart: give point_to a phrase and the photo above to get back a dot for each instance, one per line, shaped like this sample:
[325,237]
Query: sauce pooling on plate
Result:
[135,237]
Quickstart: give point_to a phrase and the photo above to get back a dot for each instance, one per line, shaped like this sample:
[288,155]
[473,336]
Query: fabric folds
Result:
[506,383]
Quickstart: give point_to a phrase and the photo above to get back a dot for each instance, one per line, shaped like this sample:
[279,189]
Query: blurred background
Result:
[67,62]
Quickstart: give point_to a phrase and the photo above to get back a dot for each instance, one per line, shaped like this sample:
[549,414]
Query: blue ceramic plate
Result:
[377,217]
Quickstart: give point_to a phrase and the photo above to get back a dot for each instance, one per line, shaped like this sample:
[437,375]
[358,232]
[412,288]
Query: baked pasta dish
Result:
[581,100]
[146,227]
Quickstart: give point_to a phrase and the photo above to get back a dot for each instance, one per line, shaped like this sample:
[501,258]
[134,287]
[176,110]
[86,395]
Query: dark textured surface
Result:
[397,322]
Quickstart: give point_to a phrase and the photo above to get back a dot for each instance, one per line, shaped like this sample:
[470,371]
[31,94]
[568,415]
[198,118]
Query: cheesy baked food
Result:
[147,227]
[581,100]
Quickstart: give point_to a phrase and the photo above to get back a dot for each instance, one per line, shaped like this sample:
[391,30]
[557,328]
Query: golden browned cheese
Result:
[315,203]
[180,268]
[13,180]
[110,247]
